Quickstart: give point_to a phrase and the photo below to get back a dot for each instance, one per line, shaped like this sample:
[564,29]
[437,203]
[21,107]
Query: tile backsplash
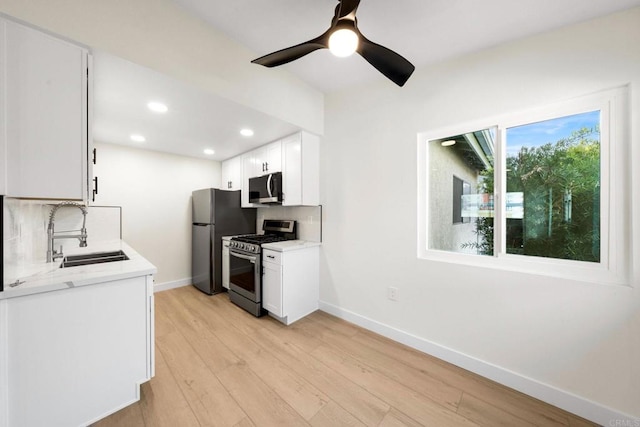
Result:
[25,232]
[308,219]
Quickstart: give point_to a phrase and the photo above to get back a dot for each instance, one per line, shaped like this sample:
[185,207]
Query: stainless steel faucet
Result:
[52,254]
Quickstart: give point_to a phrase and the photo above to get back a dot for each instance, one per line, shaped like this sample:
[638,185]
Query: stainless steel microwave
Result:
[266,189]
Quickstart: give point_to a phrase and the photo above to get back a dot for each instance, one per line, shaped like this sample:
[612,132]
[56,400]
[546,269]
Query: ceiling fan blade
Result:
[347,9]
[392,65]
[292,53]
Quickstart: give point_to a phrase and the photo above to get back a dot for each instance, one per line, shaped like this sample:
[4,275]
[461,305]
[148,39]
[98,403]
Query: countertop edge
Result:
[290,245]
[53,278]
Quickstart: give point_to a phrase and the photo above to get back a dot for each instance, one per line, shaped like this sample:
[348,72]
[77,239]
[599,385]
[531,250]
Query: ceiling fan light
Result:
[343,43]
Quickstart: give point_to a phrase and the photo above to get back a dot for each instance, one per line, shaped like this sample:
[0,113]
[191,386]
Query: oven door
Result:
[244,275]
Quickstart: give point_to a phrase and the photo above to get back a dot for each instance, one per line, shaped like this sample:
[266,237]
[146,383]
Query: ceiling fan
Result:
[343,38]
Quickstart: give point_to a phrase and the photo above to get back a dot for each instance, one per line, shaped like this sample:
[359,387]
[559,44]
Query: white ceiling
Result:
[424,31]
[196,120]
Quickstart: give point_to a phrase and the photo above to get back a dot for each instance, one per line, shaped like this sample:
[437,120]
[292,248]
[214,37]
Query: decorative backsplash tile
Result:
[25,232]
[308,219]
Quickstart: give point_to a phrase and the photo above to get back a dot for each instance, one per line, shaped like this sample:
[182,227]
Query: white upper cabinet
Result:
[296,156]
[248,171]
[273,157]
[301,170]
[232,174]
[264,160]
[44,114]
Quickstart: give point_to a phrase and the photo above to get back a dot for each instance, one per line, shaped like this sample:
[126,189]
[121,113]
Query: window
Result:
[541,191]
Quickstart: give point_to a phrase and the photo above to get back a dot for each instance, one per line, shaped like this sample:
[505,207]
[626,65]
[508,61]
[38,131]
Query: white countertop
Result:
[290,245]
[50,277]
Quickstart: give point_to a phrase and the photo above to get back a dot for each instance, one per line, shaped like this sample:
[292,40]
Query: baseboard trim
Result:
[580,406]
[165,286]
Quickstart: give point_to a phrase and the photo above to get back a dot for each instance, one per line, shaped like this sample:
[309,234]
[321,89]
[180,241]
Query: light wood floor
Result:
[218,365]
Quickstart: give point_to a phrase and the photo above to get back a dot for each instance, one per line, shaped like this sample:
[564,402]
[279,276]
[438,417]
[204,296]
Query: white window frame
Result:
[614,265]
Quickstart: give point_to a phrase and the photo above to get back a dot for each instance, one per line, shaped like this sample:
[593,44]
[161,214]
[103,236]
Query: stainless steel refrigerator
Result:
[215,213]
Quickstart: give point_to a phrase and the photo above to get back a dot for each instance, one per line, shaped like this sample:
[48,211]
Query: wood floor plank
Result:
[246,422]
[162,403]
[395,418]
[488,415]
[304,340]
[512,401]
[335,324]
[412,403]
[359,402]
[305,398]
[197,332]
[131,416]
[414,378]
[209,400]
[333,414]
[263,406]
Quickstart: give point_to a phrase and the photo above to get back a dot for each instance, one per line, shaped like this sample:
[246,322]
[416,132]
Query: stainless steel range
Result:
[245,263]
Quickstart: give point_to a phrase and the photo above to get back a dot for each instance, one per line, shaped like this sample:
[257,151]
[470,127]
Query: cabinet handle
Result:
[271,256]
[263,167]
[95,189]
[94,156]
[266,165]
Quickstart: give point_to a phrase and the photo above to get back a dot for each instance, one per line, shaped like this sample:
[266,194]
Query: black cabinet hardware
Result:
[95,189]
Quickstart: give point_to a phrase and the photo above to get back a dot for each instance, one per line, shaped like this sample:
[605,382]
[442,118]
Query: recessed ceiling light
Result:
[209,151]
[448,143]
[137,138]
[246,132]
[157,107]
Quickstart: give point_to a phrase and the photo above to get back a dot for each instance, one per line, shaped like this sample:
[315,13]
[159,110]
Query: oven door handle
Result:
[251,259]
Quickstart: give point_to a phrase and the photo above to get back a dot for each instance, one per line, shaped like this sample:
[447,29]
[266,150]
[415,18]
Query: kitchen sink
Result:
[94,258]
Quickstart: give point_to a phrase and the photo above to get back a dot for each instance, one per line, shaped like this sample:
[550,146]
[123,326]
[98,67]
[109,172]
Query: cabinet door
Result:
[301,170]
[292,170]
[46,115]
[93,342]
[232,174]
[248,167]
[225,183]
[235,173]
[272,288]
[273,157]
[3,120]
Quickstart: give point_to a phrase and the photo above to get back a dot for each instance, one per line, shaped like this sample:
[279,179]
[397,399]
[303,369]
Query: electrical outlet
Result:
[392,293]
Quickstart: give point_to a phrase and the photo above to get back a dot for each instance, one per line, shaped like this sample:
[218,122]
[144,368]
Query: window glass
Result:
[461,193]
[553,188]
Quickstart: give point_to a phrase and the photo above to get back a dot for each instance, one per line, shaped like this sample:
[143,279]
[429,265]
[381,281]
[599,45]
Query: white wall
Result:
[564,341]
[160,35]
[154,190]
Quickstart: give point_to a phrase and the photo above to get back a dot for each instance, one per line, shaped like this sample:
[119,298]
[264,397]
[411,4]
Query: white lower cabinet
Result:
[272,285]
[71,357]
[290,282]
